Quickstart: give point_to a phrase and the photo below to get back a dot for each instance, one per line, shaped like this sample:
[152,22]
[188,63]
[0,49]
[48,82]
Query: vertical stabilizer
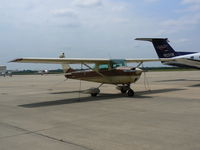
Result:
[162,47]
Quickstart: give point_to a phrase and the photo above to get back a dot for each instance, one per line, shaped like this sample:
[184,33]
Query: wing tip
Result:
[16,60]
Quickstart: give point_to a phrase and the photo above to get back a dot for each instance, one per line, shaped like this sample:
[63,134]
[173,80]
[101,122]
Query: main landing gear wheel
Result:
[130,93]
[93,91]
[94,94]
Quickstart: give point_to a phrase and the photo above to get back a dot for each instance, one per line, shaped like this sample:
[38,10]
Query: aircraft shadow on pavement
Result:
[174,80]
[195,85]
[140,95]
[66,92]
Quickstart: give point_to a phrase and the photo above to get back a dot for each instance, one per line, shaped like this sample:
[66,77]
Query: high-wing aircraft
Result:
[106,71]
[180,59]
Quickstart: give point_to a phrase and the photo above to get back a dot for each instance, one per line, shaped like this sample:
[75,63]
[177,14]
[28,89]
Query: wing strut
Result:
[139,64]
[94,70]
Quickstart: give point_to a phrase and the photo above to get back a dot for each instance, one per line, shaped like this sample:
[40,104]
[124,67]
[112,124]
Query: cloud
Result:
[65,18]
[88,3]
[151,1]
[118,8]
[183,23]
[192,8]
[65,12]
[68,24]
[182,40]
[192,5]
[120,20]
[191,1]
[188,19]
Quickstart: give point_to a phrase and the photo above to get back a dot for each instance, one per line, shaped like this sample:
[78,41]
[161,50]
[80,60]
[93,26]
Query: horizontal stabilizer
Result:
[151,39]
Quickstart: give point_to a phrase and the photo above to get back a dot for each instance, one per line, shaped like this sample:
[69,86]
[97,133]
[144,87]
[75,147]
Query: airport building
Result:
[2,68]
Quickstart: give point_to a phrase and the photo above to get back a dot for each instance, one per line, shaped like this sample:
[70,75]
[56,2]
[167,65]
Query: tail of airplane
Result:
[162,47]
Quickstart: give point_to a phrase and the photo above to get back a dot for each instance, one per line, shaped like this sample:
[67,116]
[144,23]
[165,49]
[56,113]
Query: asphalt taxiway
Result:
[48,112]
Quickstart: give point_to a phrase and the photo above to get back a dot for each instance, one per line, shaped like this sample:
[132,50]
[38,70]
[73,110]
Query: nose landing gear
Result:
[126,89]
[130,93]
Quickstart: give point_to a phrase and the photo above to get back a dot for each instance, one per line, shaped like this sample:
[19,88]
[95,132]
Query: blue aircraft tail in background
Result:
[163,49]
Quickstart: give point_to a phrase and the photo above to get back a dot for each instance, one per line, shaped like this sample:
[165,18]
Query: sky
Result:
[94,28]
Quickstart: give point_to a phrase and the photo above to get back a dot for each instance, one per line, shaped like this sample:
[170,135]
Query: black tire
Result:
[130,93]
[123,91]
[93,94]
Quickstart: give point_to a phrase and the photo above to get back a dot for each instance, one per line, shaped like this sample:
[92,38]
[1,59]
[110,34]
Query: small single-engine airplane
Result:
[180,59]
[106,71]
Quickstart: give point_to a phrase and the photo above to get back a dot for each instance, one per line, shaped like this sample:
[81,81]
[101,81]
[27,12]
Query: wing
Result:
[81,60]
[60,60]
[139,60]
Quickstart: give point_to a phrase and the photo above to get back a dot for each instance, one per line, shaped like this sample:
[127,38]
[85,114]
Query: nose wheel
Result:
[130,92]
[126,89]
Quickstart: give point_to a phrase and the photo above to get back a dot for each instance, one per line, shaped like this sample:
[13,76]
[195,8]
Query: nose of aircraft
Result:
[138,71]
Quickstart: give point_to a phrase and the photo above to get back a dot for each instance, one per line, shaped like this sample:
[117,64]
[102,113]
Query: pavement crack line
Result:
[26,131]
[63,141]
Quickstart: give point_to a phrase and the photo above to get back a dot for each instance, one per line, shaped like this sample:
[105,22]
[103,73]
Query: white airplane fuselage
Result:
[191,60]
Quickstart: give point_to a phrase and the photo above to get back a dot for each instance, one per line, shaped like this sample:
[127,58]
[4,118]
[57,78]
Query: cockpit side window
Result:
[117,63]
[103,67]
